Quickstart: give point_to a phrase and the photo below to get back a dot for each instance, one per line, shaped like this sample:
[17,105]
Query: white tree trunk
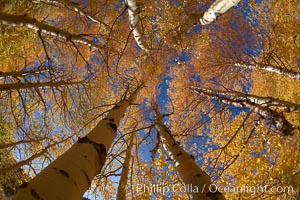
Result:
[21,85]
[270,68]
[277,120]
[71,174]
[217,8]
[135,24]
[32,23]
[191,174]
[121,195]
[23,73]
[258,100]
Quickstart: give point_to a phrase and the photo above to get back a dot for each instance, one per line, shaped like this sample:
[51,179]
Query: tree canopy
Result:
[173,95]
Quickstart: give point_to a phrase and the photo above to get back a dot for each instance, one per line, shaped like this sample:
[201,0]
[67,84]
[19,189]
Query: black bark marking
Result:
[87,177]
[179,154]
[64,173]
[24,185]
[198,175]
[116,107]
[102,154]
[100,148]
[112,119]
[113,126]
[35,194]
[82,140]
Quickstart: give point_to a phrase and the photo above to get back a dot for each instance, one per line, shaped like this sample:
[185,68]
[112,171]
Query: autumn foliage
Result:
[216,82]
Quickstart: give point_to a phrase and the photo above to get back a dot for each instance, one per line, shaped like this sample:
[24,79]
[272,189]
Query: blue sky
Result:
[163,97]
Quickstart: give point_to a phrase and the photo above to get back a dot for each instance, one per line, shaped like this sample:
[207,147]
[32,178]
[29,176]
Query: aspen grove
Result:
[135,99]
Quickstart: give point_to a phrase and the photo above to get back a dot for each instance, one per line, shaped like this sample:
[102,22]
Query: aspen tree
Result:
[23,73]
[121,195]
[198,181]
[71,174]
[217,8]
[260,106]
[34,24]
[271,68]
[20,86]
[259,100]
[210,15]
[135,24]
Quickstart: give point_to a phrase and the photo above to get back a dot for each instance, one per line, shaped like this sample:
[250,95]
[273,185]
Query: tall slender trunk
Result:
[32,23]
[274,118]
[23,73]
[261,101]
[21,85]
[121,195]
[217,8]
[199,182]
[271,68]
[71,174]
[135,23]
